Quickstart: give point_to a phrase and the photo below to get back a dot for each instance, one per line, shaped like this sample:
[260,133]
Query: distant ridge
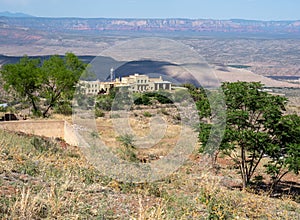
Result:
[15,15]
[235,26]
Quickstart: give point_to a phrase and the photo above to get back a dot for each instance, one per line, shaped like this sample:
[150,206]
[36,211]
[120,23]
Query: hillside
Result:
[40,178]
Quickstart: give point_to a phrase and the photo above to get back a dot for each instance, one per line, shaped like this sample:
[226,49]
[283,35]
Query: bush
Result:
[148,97]
[147,114]
[115,116]
[63,108]
[163,98]
[43,145]
[142,100]
[128,150]
[99,113]
[104,103]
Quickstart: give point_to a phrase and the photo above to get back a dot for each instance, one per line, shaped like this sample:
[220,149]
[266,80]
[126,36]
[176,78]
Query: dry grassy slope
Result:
[149,144]
[54,181]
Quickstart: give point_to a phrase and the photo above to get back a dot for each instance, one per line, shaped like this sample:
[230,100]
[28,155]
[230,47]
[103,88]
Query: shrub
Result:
[104,103]
[128,150]
[44,145]
[99,113]
[147,114]
[64,108]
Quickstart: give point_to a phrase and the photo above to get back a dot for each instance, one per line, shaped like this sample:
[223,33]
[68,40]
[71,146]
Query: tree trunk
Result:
[276,181]
[35,108]
[243,168]
[46,111]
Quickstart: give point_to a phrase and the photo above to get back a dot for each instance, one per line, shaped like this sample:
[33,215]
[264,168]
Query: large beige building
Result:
[135,83]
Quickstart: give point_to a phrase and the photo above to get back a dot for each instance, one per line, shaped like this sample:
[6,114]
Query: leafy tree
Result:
[212,114]
[285,154]
[52,81]
[251,116]
[107,102]
[59,78]
[25,79]
[256,127]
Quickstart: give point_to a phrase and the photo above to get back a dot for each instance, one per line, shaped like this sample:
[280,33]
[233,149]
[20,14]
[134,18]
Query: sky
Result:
[207,9]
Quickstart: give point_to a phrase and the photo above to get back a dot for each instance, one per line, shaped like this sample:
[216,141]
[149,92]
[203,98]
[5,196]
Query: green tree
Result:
[212,114]
[52,81]
[60,76]
[285,154]
[256,127]
[24,79]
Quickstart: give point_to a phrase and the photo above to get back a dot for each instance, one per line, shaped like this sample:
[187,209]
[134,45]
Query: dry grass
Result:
[140,125]
[44,179]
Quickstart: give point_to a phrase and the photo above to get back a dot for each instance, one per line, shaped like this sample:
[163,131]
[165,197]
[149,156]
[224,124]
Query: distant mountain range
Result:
[15,15]
[19,21]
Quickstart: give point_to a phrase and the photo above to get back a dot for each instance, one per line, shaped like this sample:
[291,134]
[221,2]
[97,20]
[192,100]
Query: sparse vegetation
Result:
[147,114]
[128,149]
[44,179]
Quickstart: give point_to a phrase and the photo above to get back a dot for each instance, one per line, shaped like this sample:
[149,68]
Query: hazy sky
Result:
[216,9]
